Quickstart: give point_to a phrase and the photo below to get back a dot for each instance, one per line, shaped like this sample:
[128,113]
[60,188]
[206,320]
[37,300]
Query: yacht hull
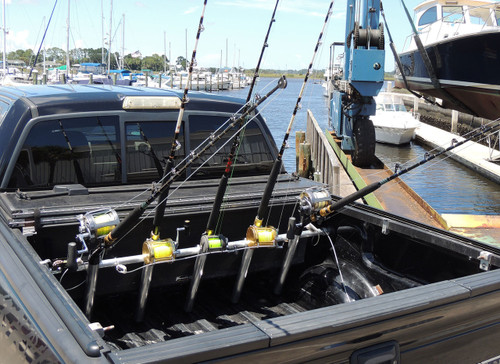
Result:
[466,68]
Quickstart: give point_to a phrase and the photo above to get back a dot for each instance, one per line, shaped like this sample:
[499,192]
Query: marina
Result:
[161,211]
[449,186]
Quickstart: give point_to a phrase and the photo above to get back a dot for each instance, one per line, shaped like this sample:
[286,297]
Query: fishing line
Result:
[160,210]
[263,211]
[233,154]
[443,156]
[309,89]
[338,265]
[224,144]
[219,221]
[135,215]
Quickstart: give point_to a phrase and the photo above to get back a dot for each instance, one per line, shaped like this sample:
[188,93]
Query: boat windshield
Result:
[399,107]
[389,107]
[453,14]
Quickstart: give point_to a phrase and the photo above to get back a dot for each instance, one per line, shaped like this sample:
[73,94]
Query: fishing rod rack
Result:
[94,226]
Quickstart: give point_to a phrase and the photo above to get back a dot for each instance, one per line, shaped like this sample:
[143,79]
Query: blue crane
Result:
[359,80]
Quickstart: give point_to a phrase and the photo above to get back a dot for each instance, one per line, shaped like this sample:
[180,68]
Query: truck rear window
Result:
[88,151]
[148,145]
[67,151]
[252,157]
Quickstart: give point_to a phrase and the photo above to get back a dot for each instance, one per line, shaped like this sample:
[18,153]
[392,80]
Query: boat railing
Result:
[323,157]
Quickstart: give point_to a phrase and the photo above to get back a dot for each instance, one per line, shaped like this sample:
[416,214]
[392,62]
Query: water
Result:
[443,183]
[279,111]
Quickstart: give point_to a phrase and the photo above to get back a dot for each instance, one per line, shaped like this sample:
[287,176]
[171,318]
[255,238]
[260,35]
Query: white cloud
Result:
[18,40]
[191,10]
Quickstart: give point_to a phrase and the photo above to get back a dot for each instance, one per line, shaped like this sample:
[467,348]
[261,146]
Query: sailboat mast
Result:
[4,42]
[164,51]
[102,32]
[123,43]
[110,35]
[67,42]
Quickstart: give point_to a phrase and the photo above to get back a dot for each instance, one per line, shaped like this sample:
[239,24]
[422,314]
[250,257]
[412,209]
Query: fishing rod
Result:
[327,210]
[208,236]
[316,203]
[258,234]
[121,229]
[162,197]
[232,154]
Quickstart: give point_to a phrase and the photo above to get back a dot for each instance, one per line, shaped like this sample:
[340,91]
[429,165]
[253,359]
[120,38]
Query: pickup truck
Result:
[360,286]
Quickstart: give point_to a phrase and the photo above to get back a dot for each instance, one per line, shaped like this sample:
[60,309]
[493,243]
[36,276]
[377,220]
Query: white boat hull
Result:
[396,136]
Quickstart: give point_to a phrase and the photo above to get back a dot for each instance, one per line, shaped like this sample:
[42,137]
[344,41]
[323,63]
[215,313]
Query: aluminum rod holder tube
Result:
[245,264]
[197,273]
[293,240]
[92,271]
[147,273]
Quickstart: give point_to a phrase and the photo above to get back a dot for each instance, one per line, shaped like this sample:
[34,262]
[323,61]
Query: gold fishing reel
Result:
[261,236]
[161,250]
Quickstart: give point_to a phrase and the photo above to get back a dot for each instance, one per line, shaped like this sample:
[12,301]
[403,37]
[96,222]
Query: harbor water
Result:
[443,183]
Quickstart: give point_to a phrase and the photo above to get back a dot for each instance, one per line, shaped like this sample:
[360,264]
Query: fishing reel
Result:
[312,201]
[213,243]
[261,236]
[161,250]
[94,226]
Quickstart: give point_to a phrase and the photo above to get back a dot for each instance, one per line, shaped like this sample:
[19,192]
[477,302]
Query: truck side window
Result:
[253,155]
[148,147]
[66,151]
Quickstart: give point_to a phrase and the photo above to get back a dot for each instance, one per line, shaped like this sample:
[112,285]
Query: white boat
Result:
[462,40]
[393,123]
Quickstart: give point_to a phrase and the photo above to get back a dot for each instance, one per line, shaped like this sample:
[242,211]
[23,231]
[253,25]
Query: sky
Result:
[156,26]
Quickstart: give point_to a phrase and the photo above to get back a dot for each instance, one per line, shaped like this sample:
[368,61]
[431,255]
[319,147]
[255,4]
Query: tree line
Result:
[154,62]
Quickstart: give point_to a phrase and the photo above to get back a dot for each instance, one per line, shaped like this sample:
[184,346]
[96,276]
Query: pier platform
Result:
[479,158]
[472,155]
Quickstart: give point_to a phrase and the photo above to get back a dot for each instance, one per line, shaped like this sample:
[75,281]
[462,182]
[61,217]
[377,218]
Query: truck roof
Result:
[20,104]
[57,99]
